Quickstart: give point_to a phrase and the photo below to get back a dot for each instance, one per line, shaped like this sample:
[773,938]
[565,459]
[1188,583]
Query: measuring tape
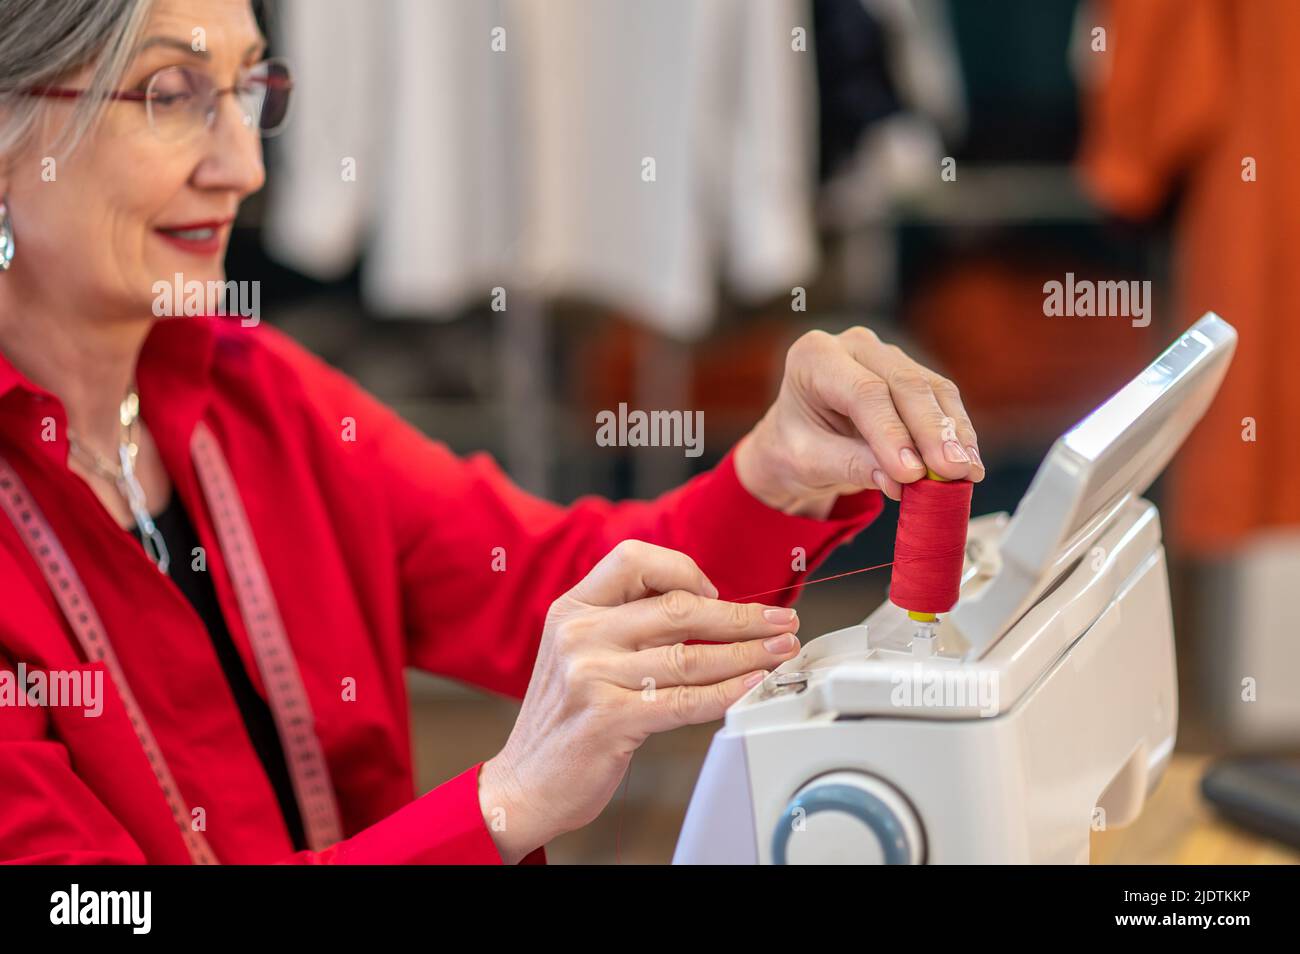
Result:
[286,693]
[284,688]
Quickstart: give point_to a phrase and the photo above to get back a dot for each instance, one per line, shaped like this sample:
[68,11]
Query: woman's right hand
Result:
[612,668]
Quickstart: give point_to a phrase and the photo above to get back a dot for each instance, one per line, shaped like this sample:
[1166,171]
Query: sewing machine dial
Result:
[849,818]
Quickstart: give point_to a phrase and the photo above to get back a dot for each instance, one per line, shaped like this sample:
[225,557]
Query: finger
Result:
[960,426]
[677,706]
[933,426]
[635,569]
[914,398]
[679,615]
[927,422]
[853,391]
[682,664]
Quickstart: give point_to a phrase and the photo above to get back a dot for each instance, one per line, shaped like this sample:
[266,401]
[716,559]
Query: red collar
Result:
[174,375]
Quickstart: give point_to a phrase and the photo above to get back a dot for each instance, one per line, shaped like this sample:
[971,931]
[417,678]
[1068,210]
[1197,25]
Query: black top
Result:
[181,539]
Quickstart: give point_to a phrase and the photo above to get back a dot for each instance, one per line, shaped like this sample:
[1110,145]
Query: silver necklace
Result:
[123,476]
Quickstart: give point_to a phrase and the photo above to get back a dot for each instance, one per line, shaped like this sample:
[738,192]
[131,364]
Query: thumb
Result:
[635,569]
[847,464]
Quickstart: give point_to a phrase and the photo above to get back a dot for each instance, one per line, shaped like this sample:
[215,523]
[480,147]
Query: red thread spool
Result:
[931,545]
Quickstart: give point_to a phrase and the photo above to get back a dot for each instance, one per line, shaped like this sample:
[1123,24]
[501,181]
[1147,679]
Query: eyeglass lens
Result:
[180,100]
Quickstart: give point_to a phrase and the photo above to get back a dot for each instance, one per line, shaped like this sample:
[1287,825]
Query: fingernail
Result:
[753,679]
[953,452]
[779,644]
[779,615]
[710,590]
[909,459]
[974,454]
[878,479]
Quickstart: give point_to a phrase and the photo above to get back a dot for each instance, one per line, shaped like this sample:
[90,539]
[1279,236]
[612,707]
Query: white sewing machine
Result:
[1045,706]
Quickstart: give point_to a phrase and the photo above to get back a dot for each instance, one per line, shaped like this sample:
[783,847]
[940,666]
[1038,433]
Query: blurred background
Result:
[462,215]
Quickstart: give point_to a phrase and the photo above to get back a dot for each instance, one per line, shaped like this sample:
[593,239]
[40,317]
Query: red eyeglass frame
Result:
[140,95]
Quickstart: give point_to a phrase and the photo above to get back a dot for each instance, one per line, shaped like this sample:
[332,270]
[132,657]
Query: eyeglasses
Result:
[181,102]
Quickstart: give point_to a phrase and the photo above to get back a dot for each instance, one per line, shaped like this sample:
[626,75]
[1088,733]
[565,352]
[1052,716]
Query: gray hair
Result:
[43,41]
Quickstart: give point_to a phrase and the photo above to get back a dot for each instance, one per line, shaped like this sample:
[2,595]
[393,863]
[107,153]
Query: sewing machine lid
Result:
[1092,471]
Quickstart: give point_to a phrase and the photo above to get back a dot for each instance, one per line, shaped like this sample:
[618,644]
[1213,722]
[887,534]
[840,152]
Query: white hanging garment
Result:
[526,167]
[411,92]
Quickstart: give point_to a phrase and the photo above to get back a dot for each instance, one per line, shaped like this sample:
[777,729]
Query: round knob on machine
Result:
[848,818]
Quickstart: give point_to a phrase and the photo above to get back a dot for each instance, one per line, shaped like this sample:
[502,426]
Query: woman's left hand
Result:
[854,413]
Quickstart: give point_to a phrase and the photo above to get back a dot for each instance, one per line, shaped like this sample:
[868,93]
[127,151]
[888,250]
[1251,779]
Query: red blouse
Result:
[379,545]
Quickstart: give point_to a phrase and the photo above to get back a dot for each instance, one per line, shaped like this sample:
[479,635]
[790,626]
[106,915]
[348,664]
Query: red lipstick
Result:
[198,238]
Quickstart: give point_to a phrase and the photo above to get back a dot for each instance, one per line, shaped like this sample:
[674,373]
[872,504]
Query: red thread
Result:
[931,545]
[793,586]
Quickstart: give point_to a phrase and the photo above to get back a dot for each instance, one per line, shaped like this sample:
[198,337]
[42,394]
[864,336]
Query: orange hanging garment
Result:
[1200,99]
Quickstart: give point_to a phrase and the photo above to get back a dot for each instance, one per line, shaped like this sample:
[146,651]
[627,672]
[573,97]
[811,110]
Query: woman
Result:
[247,550]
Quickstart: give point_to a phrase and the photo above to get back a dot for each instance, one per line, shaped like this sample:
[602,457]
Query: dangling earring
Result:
[6,238]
